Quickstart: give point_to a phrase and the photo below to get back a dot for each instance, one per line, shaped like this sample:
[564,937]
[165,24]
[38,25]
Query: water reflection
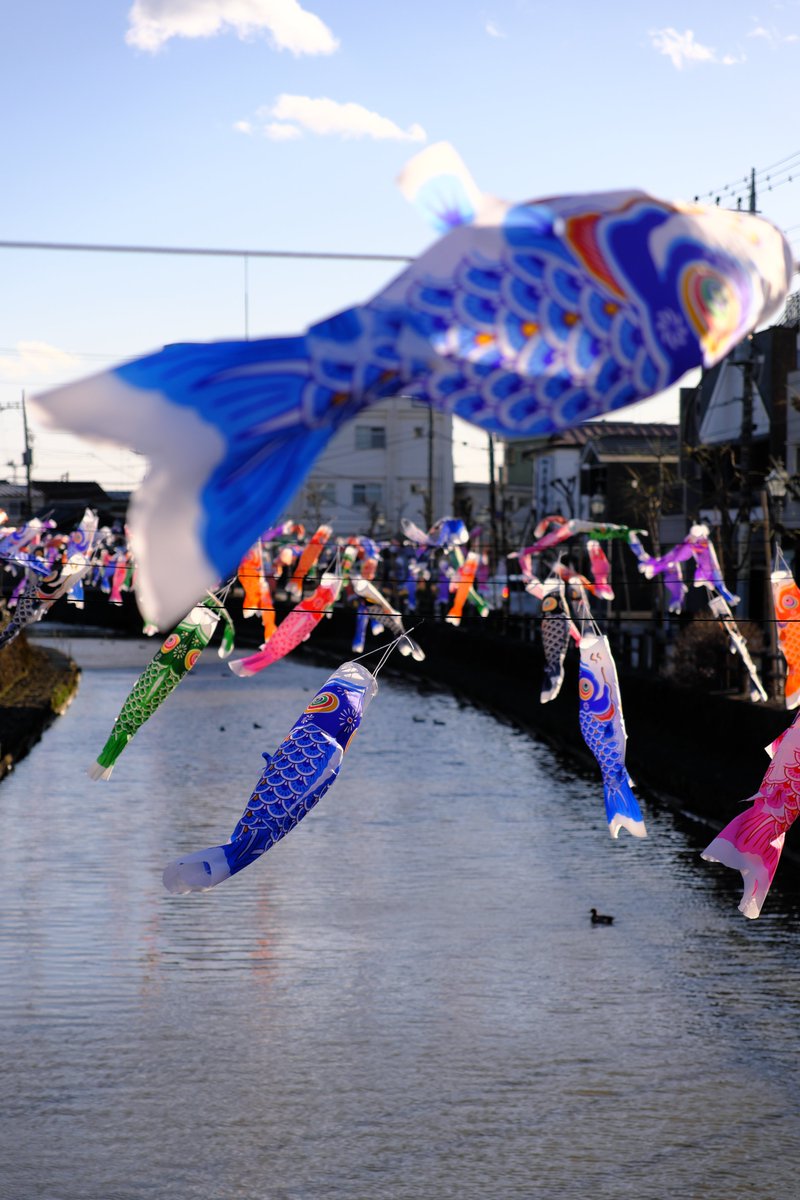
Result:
[405,998]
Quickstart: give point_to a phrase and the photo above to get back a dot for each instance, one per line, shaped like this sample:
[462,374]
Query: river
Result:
[403,999]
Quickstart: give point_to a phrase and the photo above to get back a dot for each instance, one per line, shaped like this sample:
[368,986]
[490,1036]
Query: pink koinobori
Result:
[753,841]
[293,629]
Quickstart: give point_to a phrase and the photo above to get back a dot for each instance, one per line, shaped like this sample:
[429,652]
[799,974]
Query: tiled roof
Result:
[617,438]
[59,489]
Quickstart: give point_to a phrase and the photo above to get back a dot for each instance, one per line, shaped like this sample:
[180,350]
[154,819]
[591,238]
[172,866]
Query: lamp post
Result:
[597,506]
[777,485]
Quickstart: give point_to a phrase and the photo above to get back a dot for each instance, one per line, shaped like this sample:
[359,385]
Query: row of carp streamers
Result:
[752,842]
[522,318]
[52,565]
[308,760]
[697,546]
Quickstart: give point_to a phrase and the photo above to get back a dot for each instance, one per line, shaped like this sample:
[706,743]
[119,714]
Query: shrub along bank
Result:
[36,685]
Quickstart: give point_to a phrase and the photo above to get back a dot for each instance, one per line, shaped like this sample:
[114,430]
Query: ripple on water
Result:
[405,998]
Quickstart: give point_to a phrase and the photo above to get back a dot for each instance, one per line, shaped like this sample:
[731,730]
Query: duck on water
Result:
[600,918]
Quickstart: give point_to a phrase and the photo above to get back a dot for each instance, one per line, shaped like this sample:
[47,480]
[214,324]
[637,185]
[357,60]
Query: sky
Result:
[280,125]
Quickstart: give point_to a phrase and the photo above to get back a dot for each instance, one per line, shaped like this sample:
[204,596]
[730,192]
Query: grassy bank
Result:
[36,685]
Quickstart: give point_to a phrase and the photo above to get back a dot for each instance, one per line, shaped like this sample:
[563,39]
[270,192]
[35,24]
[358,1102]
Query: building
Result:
[65,502]
[608,470]
[16,503]
[395,460]
[472,502]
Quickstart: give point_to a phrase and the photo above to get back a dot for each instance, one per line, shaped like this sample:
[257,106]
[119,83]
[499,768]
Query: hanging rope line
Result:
[205,251]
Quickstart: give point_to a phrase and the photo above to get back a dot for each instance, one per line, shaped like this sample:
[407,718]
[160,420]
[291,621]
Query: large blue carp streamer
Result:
[522,318]
[295,777]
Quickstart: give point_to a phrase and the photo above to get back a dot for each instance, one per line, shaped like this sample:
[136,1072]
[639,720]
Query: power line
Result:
[206,252]
[785,164]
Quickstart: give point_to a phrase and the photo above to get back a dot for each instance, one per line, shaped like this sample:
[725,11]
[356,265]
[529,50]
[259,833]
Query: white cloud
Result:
[287,25]
[493,30]
[290,115]
[243,126]
[36,359]
[772,35]
[681,48]
[277,131]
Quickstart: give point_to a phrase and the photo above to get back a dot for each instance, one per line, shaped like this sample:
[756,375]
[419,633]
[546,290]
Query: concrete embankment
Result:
[36,685]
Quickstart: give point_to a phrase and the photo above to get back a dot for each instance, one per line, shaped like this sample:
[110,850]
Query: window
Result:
[370,437]
[365,494]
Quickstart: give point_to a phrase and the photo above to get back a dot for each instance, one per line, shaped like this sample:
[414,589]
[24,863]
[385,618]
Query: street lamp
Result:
[597,506]
[777,484]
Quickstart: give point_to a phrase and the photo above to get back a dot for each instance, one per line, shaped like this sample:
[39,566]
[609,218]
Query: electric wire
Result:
[789,163]
[206,252]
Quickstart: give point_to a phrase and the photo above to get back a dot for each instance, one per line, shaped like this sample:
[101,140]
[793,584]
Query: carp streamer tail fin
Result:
[197,872]
[229,429]
[622,810]
[98,771]
[750,844]
[107,758]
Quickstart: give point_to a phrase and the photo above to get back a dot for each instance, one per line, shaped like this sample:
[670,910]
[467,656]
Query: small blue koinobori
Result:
[603,728]
[523,319]
[295,777]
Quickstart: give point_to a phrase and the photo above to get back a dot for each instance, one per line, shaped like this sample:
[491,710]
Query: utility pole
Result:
[27,457]
[429,492]
[746,360]
[27,454]
[492,503]
[744,356]
[774,680]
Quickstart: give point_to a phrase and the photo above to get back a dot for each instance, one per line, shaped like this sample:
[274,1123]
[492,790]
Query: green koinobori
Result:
[178,654]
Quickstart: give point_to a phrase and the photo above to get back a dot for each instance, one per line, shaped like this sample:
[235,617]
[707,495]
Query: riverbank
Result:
[37,683]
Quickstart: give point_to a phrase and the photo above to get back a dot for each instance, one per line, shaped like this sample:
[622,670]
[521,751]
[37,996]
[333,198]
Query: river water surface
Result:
[405,998]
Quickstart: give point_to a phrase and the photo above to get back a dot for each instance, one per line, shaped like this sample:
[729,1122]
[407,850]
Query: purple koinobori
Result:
[295,777]
[523,319]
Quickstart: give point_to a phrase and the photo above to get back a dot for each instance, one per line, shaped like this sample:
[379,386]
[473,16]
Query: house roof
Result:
[13,491]
[629,440]
[69,490]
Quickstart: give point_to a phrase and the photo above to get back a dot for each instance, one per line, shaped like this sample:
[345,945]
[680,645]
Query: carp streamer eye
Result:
[324,702]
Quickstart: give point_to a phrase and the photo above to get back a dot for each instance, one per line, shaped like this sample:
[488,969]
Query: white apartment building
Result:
[380,468]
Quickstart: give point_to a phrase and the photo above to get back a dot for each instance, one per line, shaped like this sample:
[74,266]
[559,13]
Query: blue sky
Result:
[270,124]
